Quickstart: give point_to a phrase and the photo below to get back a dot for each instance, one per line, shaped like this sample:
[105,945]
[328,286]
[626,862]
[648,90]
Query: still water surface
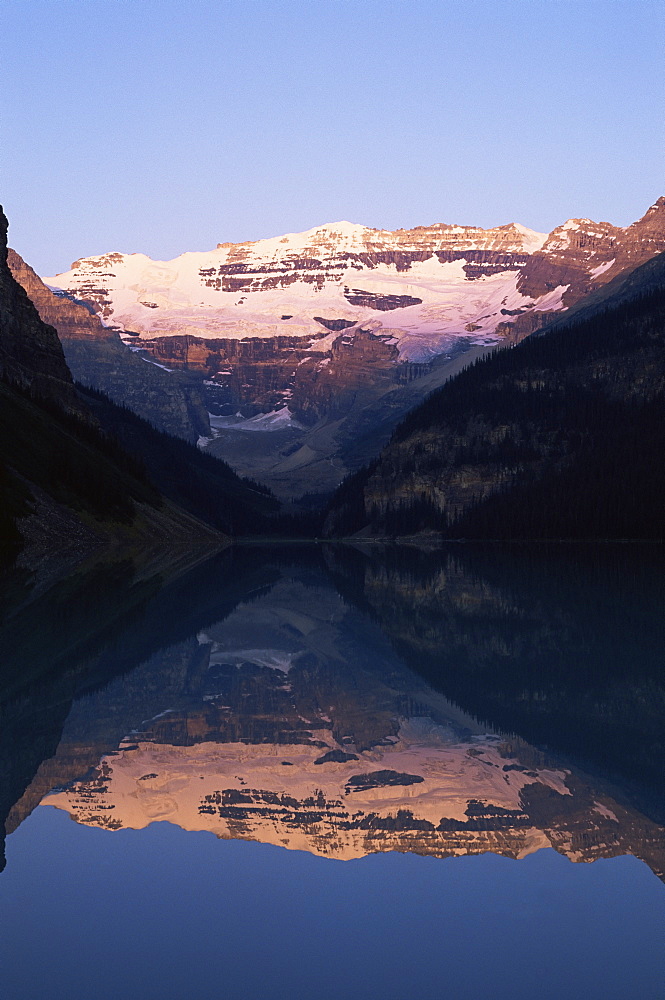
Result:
[318,770]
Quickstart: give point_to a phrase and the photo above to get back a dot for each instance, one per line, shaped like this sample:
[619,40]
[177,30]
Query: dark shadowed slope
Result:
[560,437]
[66,488]
[78,473]
[98,358]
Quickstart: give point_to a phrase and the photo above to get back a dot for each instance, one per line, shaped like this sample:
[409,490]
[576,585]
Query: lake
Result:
[344,771]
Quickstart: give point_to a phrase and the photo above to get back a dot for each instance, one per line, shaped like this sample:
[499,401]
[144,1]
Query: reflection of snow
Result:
[277,659]
[605,812]
[153,718]
[187,785]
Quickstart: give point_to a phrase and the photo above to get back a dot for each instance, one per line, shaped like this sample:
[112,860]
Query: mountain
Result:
[97,357]
[326,279]
[561,437]
[79,474]
[65,488]
[31,356]
[342,329]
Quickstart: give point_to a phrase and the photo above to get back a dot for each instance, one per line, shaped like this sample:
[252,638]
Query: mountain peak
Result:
[653,220]
[343,226]
[658,207]
[532,240]
[327,230]
[4,226]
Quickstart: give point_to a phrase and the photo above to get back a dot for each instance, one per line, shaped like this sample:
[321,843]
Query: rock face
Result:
[31,355]
[97,357]
[72,320]
[581,251]
[330,320]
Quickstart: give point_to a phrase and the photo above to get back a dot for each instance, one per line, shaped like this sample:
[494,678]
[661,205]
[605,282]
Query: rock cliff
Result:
[31,355]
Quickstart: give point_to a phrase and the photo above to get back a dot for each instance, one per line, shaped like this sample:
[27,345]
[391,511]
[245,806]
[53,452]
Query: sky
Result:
[164,912]
[162,126]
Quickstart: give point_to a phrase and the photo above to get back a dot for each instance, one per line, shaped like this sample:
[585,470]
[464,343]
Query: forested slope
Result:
[561,436]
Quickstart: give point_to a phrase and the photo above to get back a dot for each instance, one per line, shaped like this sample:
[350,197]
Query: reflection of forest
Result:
[562,644]
[265,695]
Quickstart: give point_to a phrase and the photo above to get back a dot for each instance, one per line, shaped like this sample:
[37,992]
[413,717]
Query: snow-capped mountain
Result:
[335,322]
[420,287]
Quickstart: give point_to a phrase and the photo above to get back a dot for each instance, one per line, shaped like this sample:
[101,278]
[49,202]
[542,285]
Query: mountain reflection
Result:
[345,702]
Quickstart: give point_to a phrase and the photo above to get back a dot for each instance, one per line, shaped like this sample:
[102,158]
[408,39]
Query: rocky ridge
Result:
[97,357]
[31,355]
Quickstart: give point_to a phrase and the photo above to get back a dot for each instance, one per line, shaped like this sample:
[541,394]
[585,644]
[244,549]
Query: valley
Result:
[332,424]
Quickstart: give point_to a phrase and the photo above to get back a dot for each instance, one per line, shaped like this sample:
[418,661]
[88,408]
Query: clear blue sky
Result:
[169,125]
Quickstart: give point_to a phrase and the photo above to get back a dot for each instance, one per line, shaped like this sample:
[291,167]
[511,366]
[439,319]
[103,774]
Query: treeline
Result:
[104,460]
[600,477]
[612,486]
